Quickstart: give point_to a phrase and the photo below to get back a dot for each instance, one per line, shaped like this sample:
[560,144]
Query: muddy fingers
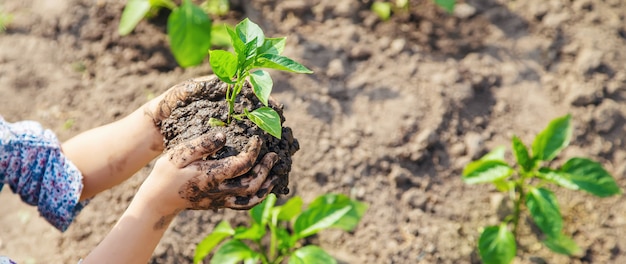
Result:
[247,202]
[233,166]
[197,148]
[253,180]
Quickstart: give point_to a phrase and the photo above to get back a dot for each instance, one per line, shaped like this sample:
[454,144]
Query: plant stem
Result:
[519,186]
[273,237]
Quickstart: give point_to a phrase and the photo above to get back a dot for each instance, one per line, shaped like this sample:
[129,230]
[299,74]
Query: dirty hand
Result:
[181,179]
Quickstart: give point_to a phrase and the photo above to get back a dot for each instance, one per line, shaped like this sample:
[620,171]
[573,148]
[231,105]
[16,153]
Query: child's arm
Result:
[182,180]
[110,154]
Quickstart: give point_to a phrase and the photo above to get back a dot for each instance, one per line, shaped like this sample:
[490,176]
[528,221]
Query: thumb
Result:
[195,149]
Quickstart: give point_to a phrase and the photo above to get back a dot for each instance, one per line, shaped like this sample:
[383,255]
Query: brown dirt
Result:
[190,120]
[392,114]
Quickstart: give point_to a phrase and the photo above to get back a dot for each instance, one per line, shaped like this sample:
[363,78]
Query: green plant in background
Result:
[5,19]
[287,225]
[252,51]
[526,186]
[384,8]
[189,26]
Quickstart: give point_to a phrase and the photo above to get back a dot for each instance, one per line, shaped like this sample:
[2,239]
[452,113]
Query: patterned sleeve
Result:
[32,164]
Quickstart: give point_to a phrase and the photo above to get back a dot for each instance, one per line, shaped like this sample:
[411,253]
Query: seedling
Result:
[287,225]
[5,19]
[252,51]
[189,27]
[384,8]
[526,183]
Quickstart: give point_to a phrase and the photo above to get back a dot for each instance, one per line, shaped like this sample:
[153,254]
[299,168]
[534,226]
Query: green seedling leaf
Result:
[496,245]
[590,176]
[219,35]
[169,4]
[290,209]
[224,65]
[267,119]
[134,11]
[272,46]
[495,154]
[261,212]
[234,251]
[544,210]
[521,154]
[189,29]
[285,240]
[255,232]
[503,185]
[221,231]
[311,254]
[448,5]
[562,244]
[331,210]
[310,222]
[482,171]
[238,45]
[248,56]
[382,9]
[278,62]
[214,122]
[262,84]
[248,32]
[561,178]
[350,220]
[553,139]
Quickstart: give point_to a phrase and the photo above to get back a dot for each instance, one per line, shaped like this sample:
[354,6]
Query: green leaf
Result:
[224,65]
[331,210]
[290,209]
[219,35]
[278,62]
[448,5]
[496,245]
[349,221]
[285,240]
[382,9]
[134,11]
[590,176]
[248,31]
[261,212]
[248,56]
[273,46]
[238,45]
[267,119]
[561,178]
[562,244]
[503,185]
[495,154]
[544,209]
[521,154]
[262,85]
[481,171]
[311,254]
[221,231]
[254,232]
[553,139]
[233,252]
[189,29]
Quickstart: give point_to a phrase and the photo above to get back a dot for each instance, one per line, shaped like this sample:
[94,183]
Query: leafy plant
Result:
[384,8]
[253,51]
[526,183]
[189,27]
[287,224]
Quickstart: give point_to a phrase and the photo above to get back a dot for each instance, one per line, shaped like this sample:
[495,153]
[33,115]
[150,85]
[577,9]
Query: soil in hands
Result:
[190,119]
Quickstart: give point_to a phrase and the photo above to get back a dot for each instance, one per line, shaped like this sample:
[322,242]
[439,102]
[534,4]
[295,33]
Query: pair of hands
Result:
[185,181]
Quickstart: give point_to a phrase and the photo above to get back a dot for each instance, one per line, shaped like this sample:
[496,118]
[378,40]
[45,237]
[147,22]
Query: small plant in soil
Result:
[287,224]
[252,51]
[526,184]
[384,8]
[189,26]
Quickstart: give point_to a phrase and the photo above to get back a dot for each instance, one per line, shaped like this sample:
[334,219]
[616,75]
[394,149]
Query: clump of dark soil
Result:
[190,119]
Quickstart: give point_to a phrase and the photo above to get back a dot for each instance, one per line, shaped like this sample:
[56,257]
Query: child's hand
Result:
[181,179]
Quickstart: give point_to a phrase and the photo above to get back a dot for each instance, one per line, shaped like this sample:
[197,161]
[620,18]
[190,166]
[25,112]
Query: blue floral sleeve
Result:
[32,164]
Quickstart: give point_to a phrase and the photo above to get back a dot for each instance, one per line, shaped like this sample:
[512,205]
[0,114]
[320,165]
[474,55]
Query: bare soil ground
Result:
[392,114]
